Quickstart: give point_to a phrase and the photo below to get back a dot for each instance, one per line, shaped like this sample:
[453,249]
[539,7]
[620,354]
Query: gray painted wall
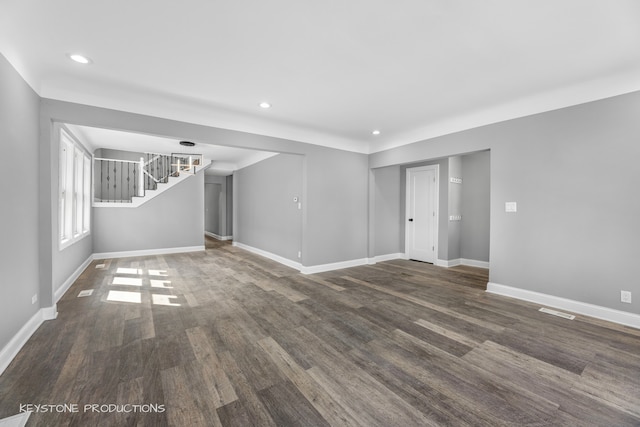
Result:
[474,240]
[574,174]
[386,217]
[229,205]
[267,216]
[108,153]
[19,257]
[173,219]
[455,208]
[335,210]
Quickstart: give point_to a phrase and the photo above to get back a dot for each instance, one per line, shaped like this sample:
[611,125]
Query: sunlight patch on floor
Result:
[129,281]
[123,296]
[123,270]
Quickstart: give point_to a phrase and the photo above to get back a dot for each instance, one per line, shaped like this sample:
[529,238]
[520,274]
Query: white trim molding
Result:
[321,268]
[475,263]
[74,276]
[599,312]
[447,263]
[383,258]
[18,341]
[462,261]
[215,236]
[303,269]
[271,256]
[148,252]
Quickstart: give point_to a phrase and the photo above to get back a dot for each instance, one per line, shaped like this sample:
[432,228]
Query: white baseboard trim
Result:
[148,252]
[383,258]
[49,313]
[321,268]
[599,312]
[271,256]
[447,262]
[67,284]
[215,236]
[462,261]
[12,348]
[302,269]
[474,263]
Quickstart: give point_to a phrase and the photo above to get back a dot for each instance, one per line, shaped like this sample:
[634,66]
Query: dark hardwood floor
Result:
[228,338]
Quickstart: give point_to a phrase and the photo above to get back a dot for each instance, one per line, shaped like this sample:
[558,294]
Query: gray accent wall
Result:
[173,219]
[454,228]
[108,153]
[267,216]
[229,205]
[386,217]
[335,210]
[476,194]
[574,175]
[19,255]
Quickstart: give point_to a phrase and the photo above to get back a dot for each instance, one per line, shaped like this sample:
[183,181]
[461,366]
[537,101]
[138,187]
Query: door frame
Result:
[436,196]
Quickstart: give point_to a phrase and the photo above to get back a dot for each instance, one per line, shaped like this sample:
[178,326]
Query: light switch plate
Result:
[511,207]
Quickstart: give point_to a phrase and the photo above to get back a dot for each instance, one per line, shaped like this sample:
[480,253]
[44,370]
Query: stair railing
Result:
[118,181]
[157,169]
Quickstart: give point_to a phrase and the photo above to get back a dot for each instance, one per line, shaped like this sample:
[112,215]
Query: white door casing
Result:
[421,221]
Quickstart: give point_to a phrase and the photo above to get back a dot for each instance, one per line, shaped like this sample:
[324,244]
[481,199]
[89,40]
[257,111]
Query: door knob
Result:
[410,219]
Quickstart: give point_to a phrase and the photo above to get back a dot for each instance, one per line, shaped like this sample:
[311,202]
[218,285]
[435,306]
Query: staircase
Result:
[129,183]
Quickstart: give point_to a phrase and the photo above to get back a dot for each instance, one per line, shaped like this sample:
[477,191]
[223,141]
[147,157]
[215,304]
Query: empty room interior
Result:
[320,213]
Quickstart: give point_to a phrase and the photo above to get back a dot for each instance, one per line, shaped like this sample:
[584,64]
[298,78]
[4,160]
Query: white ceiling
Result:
[225,160]
[333,70]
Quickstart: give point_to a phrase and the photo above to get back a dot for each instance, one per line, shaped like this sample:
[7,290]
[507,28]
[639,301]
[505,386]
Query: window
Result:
[75,191]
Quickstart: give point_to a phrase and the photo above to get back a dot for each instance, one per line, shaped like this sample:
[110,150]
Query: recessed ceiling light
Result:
[265,105]
[80,59]
[375,132]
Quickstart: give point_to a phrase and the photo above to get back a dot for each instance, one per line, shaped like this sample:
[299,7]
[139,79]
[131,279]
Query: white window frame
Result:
[74,190]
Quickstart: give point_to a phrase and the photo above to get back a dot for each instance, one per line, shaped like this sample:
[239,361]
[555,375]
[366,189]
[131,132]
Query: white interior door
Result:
[421,235]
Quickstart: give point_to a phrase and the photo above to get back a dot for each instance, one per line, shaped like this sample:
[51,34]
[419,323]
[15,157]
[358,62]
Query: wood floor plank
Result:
[334,371]
[210,368]
[549,380]
[427,304]
[462,339]
[288,407]
[326,283]
[183,410]
[248,410]
[371,402]
[500,406]
[322,401]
